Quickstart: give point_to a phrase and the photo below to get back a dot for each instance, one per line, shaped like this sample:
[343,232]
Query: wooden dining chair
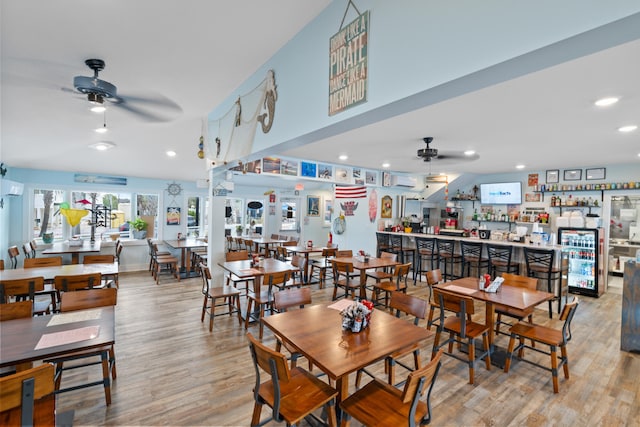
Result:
[343,278]
[12,311]
[108,280]
[28,252]
[219,296]
[24,289]
[503,310]
[27,399]
[412,307]
[42,262]
[380,274]
[73,301]
[380,404]
[239,255]
[282,302]
[77,282]
[297,275]
[461,330]
[154,252]
[396,283]
[322,264]
[551,337]
[292,394]
[262,299]
[1,264]
[163,263]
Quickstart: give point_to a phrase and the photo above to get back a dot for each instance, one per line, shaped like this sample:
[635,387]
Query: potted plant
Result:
[239,230]
[406,223]
[139,227]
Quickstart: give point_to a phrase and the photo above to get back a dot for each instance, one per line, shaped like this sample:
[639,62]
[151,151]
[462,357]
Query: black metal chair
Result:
[397,246]
[382,243]
[472,257]
[426,252]
[500,259]
[541,265]
[448,256]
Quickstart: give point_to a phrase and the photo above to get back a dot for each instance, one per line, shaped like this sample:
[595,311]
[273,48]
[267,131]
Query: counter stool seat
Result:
[448,256]
[426,253]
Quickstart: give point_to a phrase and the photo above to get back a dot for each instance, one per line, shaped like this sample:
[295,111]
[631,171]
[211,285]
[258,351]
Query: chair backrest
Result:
[26,248]
[118,250]
[1,264]
[274,364]
[344,253]
[567,314]
[278,278]
[520,281]
[290,243]
[427,244]
[419,383]
[13,255]
[329,252]
[409,304]
[91,298]
[400,274]
[249,245]
[98,259]
[499,253]
[434,277]
[471,250]
[395,241]
[77,282]
[16,310]
[237,256]
[461,305]
[446,246]
[281,253]
[275,237]
[29,286]
[42,262]
[206,278]
[382,239]
[293,297]
[389,255]
[539,259]
[27,399]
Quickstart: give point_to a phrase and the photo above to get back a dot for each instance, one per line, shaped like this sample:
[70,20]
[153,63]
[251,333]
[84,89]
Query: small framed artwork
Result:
[371,177]
[386,179]
[313,205]
[327,212]
[325,171]
[387,207]
[553,176]
[308,169]
[173,215]
[595,173]
[572,174]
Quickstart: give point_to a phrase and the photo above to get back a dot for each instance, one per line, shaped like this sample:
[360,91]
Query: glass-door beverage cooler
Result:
[580,247]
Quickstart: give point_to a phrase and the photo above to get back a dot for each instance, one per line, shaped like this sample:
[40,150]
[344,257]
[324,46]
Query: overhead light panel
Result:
[385,165]
[629,128]
[171,153]
[605,102]
[343,157]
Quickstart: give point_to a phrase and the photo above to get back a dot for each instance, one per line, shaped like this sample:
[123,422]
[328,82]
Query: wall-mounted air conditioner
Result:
[403,181]
[11,188]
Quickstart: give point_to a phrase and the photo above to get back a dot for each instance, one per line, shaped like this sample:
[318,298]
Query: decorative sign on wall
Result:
[348,64]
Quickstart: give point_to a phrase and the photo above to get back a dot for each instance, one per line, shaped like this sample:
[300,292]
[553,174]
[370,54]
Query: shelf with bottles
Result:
[570,203]
[601,188]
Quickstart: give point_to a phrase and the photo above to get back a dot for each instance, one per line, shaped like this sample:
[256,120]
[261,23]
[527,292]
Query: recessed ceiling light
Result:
[629,128]
[171,153]
[386,165]
[519,166]
[102,145]
[469,153]
[102,129]
[343,157]
[605,102]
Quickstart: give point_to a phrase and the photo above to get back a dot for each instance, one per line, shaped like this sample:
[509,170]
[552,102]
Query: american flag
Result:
[351,192]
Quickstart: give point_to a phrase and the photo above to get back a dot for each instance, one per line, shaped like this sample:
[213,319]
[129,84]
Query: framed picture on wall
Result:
[173,215]
[327,212]
[553,176]
[572,174]
[595,173]
[313,205]
[387,207]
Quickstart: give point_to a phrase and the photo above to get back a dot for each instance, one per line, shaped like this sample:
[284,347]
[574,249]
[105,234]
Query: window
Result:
[45,219]
[111,211]
[255,215]
[147,209]
[197,216]
[235,221]
[289,215]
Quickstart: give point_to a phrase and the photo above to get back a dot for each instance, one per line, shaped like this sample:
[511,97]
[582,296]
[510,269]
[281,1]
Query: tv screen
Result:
[501,193]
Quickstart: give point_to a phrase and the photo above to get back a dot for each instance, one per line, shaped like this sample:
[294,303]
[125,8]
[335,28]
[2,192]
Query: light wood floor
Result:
[172,371]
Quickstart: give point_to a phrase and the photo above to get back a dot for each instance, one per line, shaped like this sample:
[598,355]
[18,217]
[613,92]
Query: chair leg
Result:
[257,410]
[554,367]
[212,313]
[105,376]
[507,363]
[112,363]
[471,347]
[204,308]
[248,316]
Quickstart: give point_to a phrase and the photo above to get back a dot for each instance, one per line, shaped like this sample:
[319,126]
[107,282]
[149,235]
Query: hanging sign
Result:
[348,65]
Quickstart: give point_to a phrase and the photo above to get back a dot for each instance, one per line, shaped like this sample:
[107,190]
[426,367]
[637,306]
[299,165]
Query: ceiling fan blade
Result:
[142,114]
[453,155]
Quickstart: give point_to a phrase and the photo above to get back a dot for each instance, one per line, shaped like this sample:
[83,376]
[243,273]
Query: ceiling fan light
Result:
[98,108]
[469,152]
[102,129]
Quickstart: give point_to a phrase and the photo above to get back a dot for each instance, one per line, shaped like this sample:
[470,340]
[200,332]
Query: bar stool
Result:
[426,247]
[500,259]
[397,247]
[382,243]
[447,255]
[540,264]
[472,257]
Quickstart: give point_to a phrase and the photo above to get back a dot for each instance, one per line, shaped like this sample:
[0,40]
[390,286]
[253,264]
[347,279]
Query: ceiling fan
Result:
[155,108]
[428,154]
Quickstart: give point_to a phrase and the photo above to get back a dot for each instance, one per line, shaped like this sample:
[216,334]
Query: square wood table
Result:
[265,241]
[42,337]
[317,332]
[360,265]
[61,248]
[305,251]
[49,273]
[510,296]
[185,246]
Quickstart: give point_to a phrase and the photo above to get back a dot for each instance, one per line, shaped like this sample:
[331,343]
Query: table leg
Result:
[363,281]
[75,258]
[342,385]
[306,268]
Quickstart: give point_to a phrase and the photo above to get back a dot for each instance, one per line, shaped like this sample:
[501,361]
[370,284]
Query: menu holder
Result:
[460,289]
[67,337]
[341,304]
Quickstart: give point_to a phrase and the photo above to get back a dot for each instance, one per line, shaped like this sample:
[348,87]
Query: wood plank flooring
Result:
[172,371]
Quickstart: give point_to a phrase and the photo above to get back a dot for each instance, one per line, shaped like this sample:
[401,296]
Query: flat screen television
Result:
[501,193]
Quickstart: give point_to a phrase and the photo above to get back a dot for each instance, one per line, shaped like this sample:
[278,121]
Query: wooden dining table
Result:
[362,266]
[63,248]
[306,251]
[316,331]
[50,272]
[265,242]
[186,246]
[37,338]
[510,296]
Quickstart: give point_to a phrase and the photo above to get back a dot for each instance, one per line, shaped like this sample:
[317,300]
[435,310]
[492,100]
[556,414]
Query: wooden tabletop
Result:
[317,332]
[64,248]
[20,337]
[59,270]
[243,269]
[305,249]
[186,243]
[358,264]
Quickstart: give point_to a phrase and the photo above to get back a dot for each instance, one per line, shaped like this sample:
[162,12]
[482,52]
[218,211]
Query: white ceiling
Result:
[197,53]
